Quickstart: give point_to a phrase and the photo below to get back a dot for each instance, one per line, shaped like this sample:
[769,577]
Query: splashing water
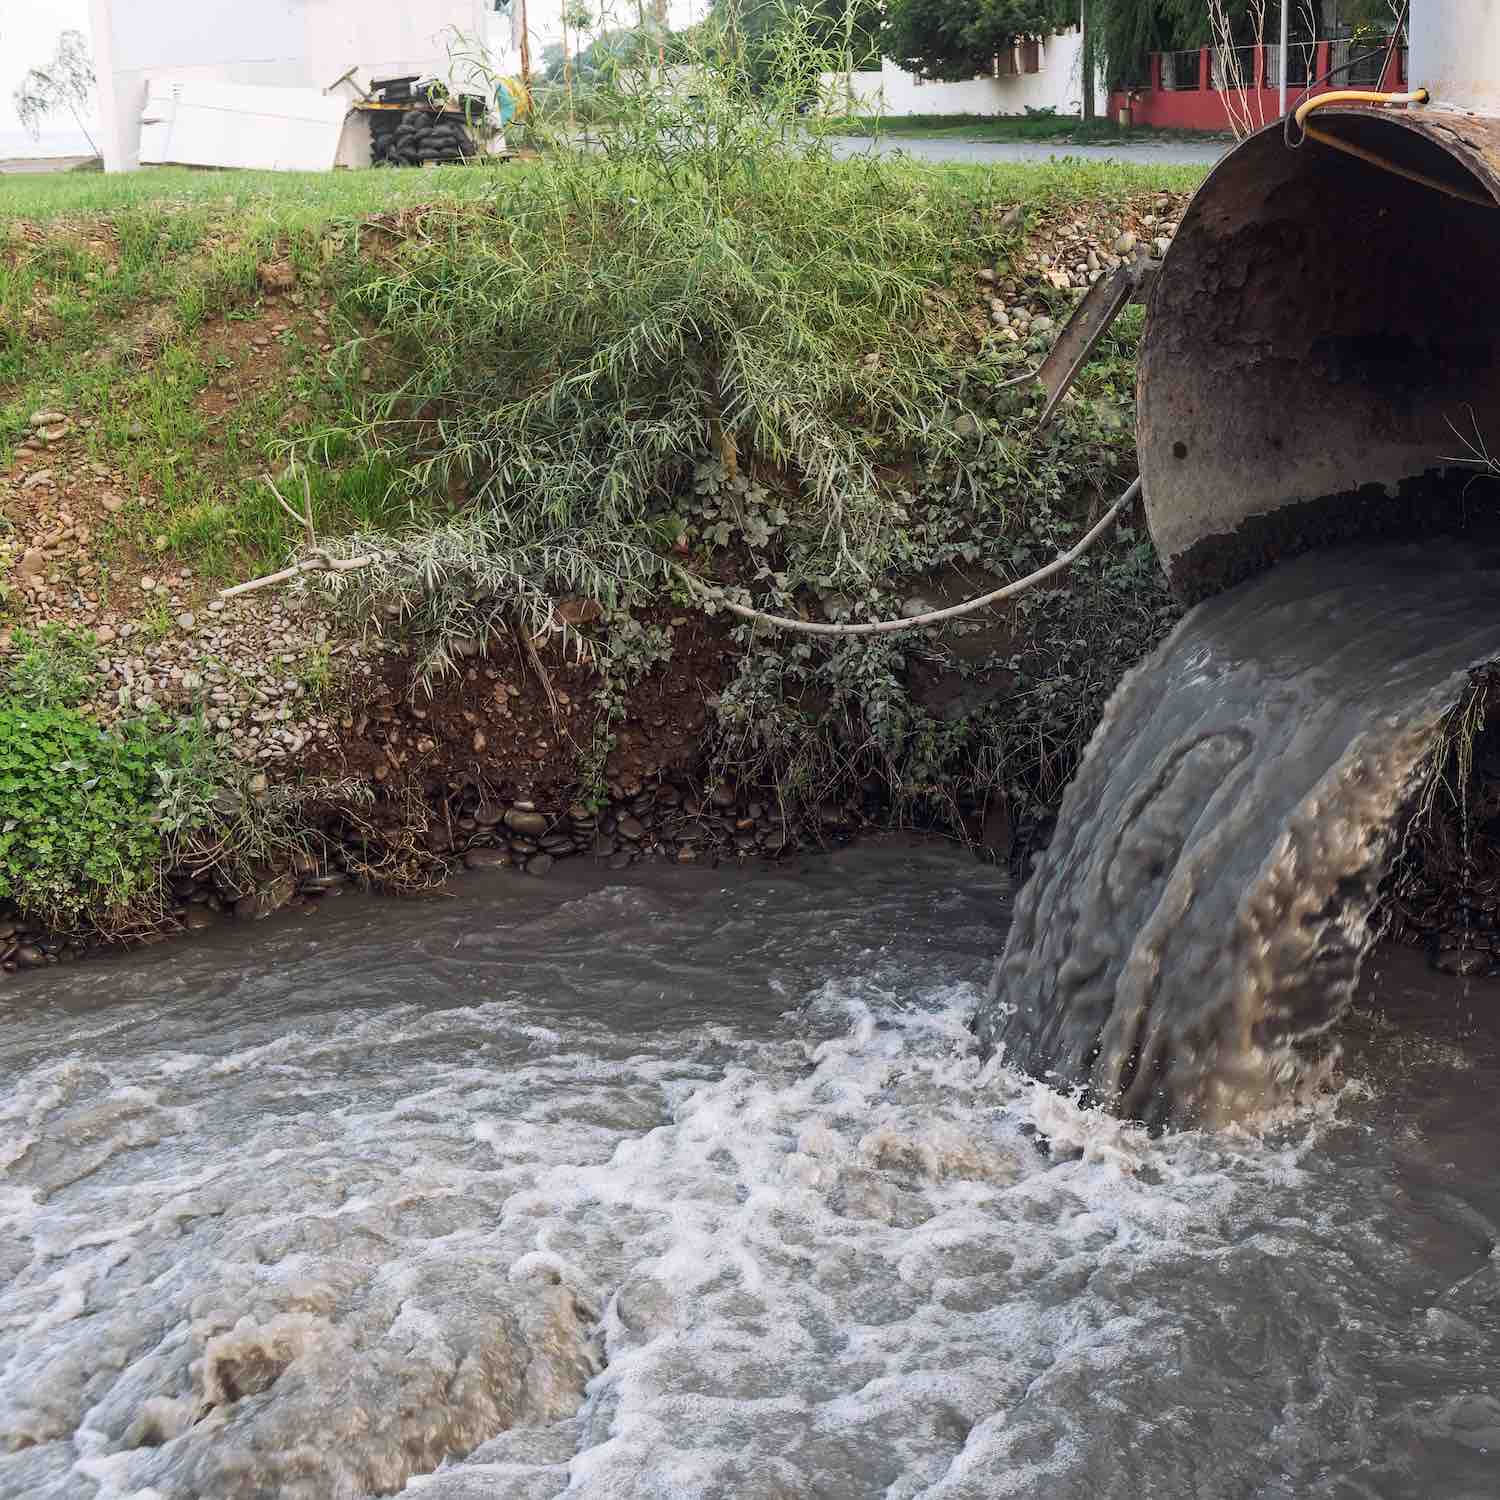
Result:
[698,1188]
[1198,923]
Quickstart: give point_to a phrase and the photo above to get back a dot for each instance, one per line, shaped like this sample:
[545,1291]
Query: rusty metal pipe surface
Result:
[1322,342]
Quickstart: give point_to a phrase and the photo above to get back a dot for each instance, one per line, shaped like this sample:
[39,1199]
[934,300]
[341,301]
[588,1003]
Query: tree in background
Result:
[642,46]
[1377,17]
[952,40]
[67,82]
[1126,32]
[849,27]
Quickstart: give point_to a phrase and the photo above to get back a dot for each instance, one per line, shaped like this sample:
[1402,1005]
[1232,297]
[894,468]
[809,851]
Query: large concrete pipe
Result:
[1323,339]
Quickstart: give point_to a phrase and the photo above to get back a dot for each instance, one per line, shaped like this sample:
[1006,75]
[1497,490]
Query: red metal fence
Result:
[1206,88]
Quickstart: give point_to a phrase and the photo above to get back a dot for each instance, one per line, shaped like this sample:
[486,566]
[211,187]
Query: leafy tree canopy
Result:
[946,40]
[1378,16]
[1126,32]
[848,27]
[67,82]
[625,47]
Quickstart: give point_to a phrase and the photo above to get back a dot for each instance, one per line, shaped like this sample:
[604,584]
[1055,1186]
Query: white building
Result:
[269,44]
[1043,74]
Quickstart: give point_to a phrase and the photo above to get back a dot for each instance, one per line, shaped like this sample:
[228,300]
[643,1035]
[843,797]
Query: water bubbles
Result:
[468,1225]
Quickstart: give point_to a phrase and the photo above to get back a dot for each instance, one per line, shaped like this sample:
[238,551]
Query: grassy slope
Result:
[139,305]
[285,200]
[124,299]
[267,203]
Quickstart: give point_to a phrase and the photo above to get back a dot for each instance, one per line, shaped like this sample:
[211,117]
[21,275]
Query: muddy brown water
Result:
[696,1185]
[1194,931]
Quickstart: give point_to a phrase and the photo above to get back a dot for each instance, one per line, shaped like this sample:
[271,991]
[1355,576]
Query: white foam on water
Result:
[484,1252]
[287,1271]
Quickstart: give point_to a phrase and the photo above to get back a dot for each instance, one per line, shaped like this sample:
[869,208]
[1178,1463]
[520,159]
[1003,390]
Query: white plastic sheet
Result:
[206,124]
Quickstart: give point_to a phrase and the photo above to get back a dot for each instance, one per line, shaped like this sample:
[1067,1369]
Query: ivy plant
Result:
[79,811]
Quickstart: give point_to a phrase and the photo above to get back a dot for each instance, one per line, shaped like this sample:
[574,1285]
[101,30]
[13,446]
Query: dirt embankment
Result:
[396,787]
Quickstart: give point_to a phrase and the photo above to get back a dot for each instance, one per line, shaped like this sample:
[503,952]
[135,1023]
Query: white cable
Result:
[934,616]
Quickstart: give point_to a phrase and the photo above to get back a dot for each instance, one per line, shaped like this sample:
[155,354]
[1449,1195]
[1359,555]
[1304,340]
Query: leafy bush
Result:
[705,336]
[937,39]
[52,668]
[709,282]
[816,716]
[92,820]
[81,831]
[89,817]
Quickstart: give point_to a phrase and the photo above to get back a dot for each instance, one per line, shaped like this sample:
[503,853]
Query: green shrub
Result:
[708,337]
[711,281]
[80,813]
[817,715]
[53,667]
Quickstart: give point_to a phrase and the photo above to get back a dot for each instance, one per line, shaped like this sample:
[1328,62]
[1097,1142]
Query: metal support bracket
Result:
[1101,305]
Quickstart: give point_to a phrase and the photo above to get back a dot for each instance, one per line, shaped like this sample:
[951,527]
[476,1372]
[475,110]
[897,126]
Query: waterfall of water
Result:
[1198,922]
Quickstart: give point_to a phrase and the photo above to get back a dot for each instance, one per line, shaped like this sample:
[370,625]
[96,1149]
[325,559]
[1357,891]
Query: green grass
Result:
[717,336]
[573,352]
[105,317]
[182,201]
[712,344]
[136,269]
[1044,129]
[52,667]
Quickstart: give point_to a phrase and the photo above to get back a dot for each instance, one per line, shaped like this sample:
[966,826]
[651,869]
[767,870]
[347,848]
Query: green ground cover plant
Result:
[94,819]
[51,667]
[111,287]
[81,812]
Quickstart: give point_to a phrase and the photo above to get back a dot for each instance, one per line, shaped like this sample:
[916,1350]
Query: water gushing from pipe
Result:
[1197,925]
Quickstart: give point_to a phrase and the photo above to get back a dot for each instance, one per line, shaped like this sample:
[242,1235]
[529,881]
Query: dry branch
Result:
[318,562]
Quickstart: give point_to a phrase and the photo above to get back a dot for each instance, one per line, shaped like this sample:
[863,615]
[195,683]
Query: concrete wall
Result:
[1057,84]
[282,43]
[1206,107]
[1455,53]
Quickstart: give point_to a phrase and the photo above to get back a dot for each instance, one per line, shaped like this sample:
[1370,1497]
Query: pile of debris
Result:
[1064,254]
[434,127]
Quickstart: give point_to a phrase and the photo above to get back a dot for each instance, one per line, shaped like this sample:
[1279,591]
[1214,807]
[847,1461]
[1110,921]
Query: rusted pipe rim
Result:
[1322,341]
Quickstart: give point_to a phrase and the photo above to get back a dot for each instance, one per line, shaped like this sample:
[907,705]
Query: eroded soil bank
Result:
[144,429]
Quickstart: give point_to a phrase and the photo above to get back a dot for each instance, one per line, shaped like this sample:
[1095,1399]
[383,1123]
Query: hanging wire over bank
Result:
[933,616]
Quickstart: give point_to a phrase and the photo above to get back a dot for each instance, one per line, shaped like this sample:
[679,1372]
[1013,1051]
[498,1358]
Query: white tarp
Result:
[272,44]
[202,124]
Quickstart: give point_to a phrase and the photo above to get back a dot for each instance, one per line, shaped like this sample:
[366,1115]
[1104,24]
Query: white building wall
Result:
[1057,84]
[282,43]
[1455,54]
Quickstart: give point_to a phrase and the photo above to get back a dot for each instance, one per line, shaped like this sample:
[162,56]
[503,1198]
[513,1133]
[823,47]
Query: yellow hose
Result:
[1356,96]
[1363,96]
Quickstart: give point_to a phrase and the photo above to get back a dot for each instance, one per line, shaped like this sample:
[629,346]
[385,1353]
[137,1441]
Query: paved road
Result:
[980,153]
[10,164]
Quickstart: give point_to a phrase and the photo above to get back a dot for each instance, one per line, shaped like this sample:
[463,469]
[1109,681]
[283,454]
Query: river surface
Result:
[695,1185]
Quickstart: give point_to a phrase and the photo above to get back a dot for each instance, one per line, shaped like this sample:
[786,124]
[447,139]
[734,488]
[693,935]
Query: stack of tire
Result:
[383,127]
[432,128]
[424,134]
